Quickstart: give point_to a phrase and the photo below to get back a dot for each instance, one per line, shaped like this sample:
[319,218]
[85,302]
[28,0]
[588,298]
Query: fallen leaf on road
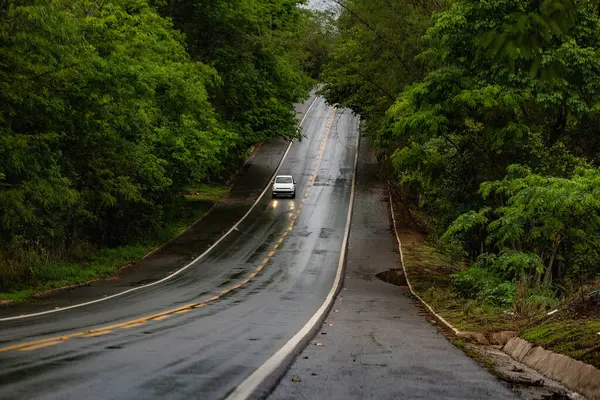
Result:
[296,380]
[337,310]
[319,344]
[330,324]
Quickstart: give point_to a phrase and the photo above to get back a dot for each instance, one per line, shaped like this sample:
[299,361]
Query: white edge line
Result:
[251,384]
[189,264]
[439,317]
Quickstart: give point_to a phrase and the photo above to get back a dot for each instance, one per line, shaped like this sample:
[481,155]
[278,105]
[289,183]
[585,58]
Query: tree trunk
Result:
[548,275]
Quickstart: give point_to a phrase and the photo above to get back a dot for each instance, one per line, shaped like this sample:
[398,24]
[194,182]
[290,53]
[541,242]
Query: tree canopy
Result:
[109,109]
[488,113]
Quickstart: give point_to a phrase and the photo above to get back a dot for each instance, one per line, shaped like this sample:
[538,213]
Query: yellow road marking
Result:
[252,275]
[28,344]
[139,323]
[89,335]
[272,252]
[160,318]
[40,345]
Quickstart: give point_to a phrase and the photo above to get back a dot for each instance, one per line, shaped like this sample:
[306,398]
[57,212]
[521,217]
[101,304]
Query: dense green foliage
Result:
[107,112]
[372,60]
[246,42]
[493,127]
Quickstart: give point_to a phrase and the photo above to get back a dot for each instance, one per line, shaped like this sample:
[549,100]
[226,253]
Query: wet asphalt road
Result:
[206,351]
[377,343]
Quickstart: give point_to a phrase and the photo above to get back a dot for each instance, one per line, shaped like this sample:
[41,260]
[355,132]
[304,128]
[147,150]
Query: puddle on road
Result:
[394,276]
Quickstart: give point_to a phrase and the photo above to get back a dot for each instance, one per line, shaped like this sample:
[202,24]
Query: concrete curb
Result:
[438,317]
[574,374]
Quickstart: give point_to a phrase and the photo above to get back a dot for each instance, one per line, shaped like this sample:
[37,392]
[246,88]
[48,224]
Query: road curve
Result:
[201,333]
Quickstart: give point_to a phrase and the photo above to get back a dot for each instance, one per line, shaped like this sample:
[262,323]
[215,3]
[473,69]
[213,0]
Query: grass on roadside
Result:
[575,338]
[564,332]
[429,272]
[96,263]
[215,193]
[101,263]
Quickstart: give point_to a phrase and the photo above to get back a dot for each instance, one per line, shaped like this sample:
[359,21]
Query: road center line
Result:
[97,334]
[40,345]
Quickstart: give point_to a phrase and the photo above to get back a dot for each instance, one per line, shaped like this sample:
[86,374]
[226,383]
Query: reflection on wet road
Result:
[205,330]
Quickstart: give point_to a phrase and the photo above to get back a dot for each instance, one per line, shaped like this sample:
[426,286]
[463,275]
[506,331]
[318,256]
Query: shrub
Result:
[481,284]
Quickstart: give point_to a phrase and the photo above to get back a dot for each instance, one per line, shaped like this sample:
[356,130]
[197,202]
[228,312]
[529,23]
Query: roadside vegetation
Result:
[121,121]
[487,117]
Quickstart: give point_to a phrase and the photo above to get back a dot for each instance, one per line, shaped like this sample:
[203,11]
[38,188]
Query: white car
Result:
[284,185]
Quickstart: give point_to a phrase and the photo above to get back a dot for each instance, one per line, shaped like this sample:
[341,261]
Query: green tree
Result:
[107,112]
[526,97]
[246,41]
[548,227]
[314,37]
[473,116]
[372,59]
[489,85]
[103,116]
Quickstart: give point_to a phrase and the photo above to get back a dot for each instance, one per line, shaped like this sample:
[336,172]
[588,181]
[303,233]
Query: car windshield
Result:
[283,179]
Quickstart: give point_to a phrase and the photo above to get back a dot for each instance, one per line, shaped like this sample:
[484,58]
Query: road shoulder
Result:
[376,342]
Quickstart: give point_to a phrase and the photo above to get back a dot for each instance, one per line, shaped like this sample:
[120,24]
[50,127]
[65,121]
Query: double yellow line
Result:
[38,344]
